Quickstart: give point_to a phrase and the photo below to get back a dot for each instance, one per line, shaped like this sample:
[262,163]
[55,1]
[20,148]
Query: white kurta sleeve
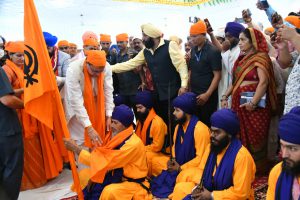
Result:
[75,94]
[108,91]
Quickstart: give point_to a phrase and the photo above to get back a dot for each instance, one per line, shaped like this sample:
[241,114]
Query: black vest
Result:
[163,71]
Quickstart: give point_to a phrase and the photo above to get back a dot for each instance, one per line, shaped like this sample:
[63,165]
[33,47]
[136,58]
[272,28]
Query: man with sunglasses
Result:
[60,60]
[89,99]
[64,46]
[227,169]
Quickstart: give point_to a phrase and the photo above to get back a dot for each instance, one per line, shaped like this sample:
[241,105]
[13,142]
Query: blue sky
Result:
[68,19]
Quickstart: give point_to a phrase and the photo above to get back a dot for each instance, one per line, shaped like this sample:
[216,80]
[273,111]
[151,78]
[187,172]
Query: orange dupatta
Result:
[142,131]
[102,156]
[29,123]
[95,110]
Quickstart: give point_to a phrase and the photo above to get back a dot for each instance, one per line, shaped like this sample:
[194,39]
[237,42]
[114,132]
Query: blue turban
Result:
[144,98]
[123,114]
[118,100]
[227,120]
[50,39]
[289,126]
[234,29]
[186,102]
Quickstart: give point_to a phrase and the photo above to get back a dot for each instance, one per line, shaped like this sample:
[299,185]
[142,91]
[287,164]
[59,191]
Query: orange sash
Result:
[142,131]
[101,156]
[29,123]
[95,110]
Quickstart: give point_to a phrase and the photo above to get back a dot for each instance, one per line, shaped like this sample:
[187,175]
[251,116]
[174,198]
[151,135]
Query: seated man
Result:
[117,169]
[150,127]
[229,169]
[190,139]
[284,179]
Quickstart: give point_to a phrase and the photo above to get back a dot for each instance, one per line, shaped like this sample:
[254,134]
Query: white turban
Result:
[151,30]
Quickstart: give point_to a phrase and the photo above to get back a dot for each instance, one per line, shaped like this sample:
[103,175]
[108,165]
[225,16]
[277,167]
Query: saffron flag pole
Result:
[41,97]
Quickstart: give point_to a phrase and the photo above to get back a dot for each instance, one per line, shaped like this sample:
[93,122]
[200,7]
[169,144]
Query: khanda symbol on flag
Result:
[31,67]
[41,97]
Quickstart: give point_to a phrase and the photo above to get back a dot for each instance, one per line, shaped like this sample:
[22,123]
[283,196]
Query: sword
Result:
[169,121]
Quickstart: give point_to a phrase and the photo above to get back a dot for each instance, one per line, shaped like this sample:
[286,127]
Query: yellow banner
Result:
[170,2]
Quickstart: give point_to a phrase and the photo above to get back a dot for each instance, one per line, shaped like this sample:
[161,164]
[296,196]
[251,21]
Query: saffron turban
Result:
[97,58]
[186,102]
[198,28]
[123,37]
[123,114]
[144,98]
[227,120]
[90,42]
[151,30]
[63,43]
[234,29]
[50,39]
[14,47]
[89,35]
[294,20]
[270,29]
[105,38]
[72,45]
[289,126]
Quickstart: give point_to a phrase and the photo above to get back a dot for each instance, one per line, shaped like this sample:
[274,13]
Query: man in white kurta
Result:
[76,113]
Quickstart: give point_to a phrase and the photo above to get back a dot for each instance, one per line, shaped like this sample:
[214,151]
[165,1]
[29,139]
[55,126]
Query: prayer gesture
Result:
[201,194]
[94,136]
[173,166]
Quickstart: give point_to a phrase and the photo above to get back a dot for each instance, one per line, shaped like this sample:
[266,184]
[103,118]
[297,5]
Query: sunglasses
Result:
[104,43]
[64,48]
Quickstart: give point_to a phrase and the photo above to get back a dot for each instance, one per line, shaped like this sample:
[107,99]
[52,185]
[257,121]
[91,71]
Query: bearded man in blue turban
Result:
[284,179]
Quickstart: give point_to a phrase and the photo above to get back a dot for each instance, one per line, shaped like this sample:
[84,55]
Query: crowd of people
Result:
[147,121]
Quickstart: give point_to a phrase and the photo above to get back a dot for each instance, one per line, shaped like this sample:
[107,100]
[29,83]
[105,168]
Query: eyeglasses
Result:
[18,55]
[104,43]
[64,48]
[120,42]
[94,69]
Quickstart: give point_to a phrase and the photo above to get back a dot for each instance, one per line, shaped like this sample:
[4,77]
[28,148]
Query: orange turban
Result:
[105,38]
[72,45]
[294,20]
[97,58]
[63,43]
[198,28]
[123,37]
[90,42]
[270,29]
[88,35]
[14,47]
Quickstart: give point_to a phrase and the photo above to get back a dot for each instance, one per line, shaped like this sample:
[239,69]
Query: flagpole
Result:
[41,97]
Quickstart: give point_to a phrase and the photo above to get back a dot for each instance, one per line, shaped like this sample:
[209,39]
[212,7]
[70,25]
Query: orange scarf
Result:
[95,110]
[102,156]
[29,124]
[141,130]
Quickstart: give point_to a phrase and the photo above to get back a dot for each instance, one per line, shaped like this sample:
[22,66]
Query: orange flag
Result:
[41,97]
